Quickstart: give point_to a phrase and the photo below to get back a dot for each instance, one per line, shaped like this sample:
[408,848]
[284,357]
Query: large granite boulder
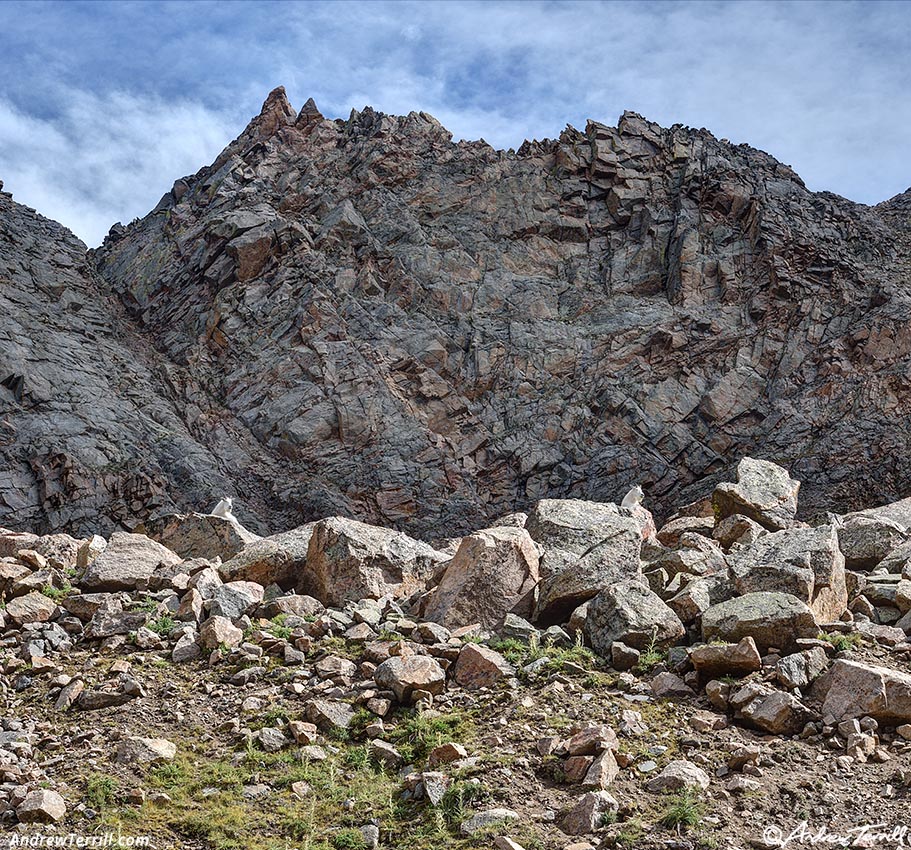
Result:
[772,619]
[805,562]
[853,689]
[128,562]
[278,559]
[628,611]
[349,560]
[494,573]
[867,538]
[764,492]
[585,547]
[196,535]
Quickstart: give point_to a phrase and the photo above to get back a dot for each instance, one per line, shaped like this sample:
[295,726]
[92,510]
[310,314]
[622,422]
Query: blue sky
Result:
[104,104]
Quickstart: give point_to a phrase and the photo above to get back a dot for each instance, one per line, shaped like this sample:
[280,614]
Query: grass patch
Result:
[652,655]
[684,811]
[163,625]
[57,593]
[842,643]
[417,734]
[100,790]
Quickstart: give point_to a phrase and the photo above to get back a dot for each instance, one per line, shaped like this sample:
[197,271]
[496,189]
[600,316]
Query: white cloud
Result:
[821,86]
[105,157]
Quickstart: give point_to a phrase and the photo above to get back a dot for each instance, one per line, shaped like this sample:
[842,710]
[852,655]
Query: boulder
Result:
[34,607]
[628,611]
[866,539]
[585,547]
[771,619]
[135,750]
[403,674]
[349,560]
[234,599]
[480,667]
[770,710]
[197,535]
[804,562]
[726,659]
[800,669]
[670,533]
[852,689]
[698,595]
[494,573]
[41,806]
[737,529]
[677,776]
[128,562]
[219,631]
[588,813]
[764,492]
[278,559]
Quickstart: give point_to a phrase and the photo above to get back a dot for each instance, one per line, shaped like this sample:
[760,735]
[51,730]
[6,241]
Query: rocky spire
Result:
[309,114]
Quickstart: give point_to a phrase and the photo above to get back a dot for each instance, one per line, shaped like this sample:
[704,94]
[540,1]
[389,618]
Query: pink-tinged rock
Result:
[34,607]
[494,573]
[764,492]
[851,689]
[404,674]
[728,659]
[349,560]
[128,562]
[481,667]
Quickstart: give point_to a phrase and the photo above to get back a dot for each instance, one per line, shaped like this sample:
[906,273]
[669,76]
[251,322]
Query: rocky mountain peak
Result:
[361,317]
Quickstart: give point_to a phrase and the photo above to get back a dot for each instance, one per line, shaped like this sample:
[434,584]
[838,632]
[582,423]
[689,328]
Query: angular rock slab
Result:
[852,689]
[278,559]
[196,535]
[586,546]
[628,611]
[805,562]
[349,560]
[494,573]
[764,492]
[771,619]
[128,561]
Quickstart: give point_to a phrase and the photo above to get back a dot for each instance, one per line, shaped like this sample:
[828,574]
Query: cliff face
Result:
[363,317]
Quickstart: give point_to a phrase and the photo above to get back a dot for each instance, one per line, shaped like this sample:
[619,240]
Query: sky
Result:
[104,104]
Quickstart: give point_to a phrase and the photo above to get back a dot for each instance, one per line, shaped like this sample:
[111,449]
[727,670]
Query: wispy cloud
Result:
[107,103]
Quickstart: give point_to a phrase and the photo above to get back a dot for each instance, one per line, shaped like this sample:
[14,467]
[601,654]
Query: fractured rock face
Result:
[620,304]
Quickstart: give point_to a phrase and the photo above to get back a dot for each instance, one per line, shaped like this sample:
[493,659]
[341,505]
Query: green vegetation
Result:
[57,593]
[843,643]
[100,790]
[163,624]
[417,734]
[685,810]
[652,656]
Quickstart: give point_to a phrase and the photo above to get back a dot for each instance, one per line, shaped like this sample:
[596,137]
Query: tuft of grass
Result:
[56,593]
[163,625]
[458,798]
[348,839]
[652,656]
[100,790]
[842,643]
[417,734]
[684,811]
